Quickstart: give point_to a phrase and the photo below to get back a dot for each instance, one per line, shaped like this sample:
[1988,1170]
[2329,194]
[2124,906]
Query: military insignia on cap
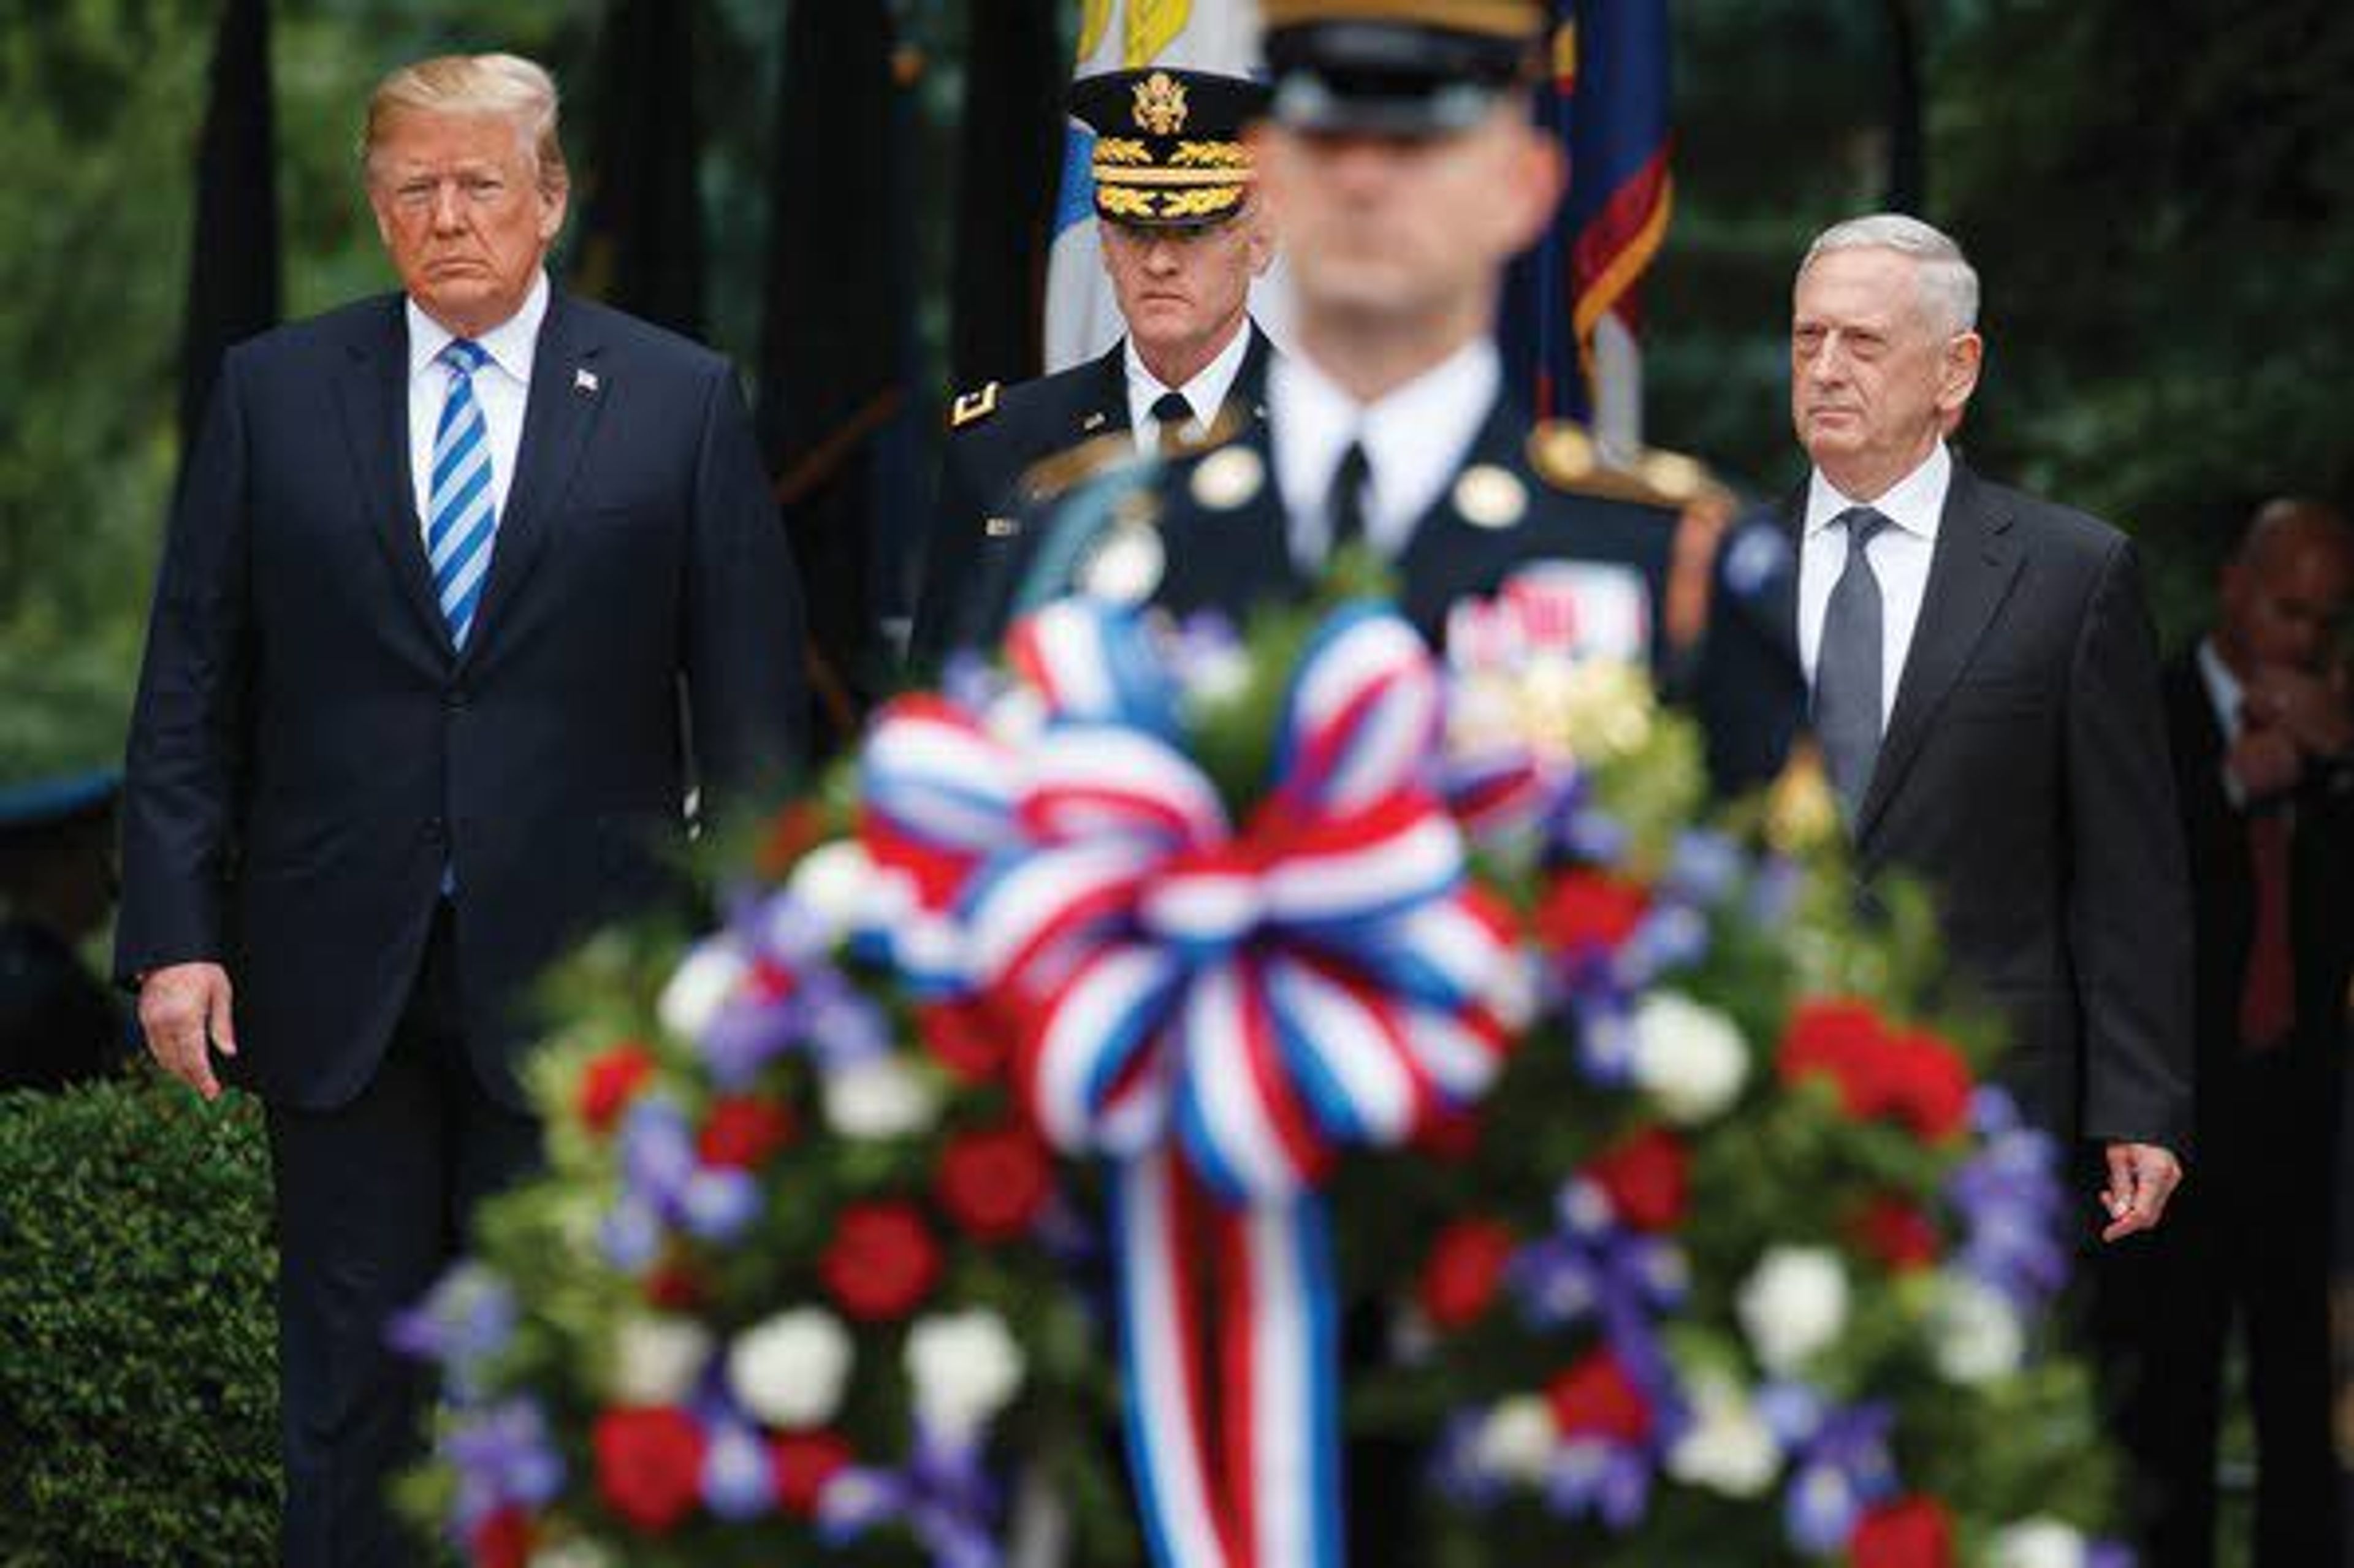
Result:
[1126,565]
[1160,104]
[1228,478]
[972,405]
[1490,497]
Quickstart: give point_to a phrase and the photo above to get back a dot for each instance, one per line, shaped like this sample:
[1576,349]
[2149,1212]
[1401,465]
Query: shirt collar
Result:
[1912,503]
[509,346]
[1205,394]
[2223,690]
[1414,436]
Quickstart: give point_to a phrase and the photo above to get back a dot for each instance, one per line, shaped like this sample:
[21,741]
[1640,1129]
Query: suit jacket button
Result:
[436,831]
[454,697]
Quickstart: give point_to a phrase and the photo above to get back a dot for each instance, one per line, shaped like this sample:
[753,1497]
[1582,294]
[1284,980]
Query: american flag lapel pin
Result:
[584,380]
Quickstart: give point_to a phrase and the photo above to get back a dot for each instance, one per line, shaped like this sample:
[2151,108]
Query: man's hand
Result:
[184,1011]
[2312,708]
[2142,1177]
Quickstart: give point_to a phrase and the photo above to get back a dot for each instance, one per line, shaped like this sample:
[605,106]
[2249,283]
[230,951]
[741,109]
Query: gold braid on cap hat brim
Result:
[1501,19]
[1167,205]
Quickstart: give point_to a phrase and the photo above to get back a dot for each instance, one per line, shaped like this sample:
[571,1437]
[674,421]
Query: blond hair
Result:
[505,85]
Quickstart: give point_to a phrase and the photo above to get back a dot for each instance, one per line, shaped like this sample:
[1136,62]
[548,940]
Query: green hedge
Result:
[138,1390]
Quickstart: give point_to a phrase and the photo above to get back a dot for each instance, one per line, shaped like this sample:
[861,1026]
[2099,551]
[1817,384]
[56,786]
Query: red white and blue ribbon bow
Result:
[1222,1012]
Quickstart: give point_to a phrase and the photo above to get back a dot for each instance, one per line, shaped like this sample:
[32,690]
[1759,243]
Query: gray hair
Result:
[1949,284]
[505,85]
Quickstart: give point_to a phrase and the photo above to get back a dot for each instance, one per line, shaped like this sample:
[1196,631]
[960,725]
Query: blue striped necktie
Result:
[460,517]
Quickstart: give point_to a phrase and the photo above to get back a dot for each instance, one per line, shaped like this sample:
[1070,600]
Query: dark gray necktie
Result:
[1173,415]
[1847,682]
[1346,506]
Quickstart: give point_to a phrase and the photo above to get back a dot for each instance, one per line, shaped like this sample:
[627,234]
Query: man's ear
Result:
[1259,235]
[1958,373]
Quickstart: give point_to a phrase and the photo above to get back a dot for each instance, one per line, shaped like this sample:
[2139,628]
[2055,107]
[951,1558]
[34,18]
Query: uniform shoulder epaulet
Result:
[972,407]
[1566,456]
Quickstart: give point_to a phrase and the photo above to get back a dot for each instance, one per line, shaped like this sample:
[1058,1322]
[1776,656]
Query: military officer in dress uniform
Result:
[1183,235]
[1403,171]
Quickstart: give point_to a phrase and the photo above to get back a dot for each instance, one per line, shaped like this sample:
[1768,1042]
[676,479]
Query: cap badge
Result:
[1160,104]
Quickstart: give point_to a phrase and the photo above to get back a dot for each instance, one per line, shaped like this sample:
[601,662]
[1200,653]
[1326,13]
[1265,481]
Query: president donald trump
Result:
[467,587]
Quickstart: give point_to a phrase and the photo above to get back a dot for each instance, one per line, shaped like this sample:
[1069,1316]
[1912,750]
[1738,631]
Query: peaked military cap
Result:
[1409,68]
[1168,150]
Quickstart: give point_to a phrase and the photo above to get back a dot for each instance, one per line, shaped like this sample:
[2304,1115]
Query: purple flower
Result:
[2013,1206]
[738,1482]
[463,1323]
[943,1496]
[1704,869]
[1606,1480]
[1839,1462]
[1455,1466]
[501,1455]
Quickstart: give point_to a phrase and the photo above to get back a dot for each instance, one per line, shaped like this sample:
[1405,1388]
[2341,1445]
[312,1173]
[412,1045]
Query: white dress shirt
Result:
[1415,438]
[1900,555]
[502,384]
[1206,393]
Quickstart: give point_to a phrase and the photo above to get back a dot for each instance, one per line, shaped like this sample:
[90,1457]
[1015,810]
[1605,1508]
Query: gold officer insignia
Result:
[1160,104]
[972,405]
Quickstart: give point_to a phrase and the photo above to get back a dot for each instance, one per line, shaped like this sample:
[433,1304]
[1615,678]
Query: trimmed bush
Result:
[138,1385]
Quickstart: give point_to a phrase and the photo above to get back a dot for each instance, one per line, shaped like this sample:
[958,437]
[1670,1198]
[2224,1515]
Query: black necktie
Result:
[1848,677]
[1346,504]
[1173,415]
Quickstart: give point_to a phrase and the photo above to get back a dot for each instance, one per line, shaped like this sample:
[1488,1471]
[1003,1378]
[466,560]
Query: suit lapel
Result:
[372,405]
[1103,406]
[1246,398]
[1970,573]
[561,410]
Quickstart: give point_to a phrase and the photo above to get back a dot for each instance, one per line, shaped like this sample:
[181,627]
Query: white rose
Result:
[700,987]
[2037,1542]
[965,1367]
[880,1098]
[1794,1303]
[1728,1448]
[1974,1335]
[1518,1440]
[788,1370]
[1688,1057]
[656,1359]
[836,882]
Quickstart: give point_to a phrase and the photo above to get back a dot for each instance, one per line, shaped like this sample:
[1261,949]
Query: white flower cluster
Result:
[788,1370]
[2037,1542]
[964,1367]
[1728,1448]
[1975,1334]
[656,1357]
[1792,1305]
[1688,1058]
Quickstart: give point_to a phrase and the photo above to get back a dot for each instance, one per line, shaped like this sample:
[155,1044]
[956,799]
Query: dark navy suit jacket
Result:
[309,753]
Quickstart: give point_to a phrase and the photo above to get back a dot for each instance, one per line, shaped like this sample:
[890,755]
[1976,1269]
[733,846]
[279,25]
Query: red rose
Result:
[1647,1177]
[993,1181]
[1899,1234]
[611,1082]
[801,1464]
[503,1538]
[743,1130]
[1587,909]
[1465,1268]
[1932,1086]
[881,1262]
[649,1464]
[675,1287]
[1595,1400]
[1910,1533]
[966,1037]
[1844,1040]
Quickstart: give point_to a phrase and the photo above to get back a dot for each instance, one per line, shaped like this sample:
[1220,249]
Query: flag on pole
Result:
[641,247]
[1573,319]
[1082,317]
[233,258]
